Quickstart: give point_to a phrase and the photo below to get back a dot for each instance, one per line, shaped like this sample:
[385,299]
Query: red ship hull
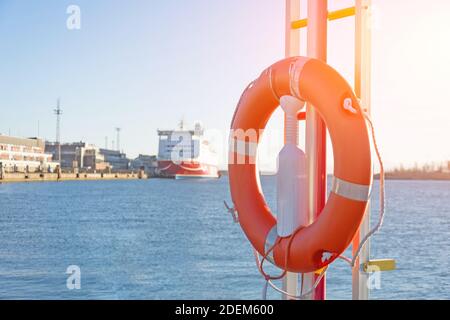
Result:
[186,170]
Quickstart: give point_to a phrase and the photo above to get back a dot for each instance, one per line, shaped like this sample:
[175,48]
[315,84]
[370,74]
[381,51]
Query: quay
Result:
[33,160]
[55,177]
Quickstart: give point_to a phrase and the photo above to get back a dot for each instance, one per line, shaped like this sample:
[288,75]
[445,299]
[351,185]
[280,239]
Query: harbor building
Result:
[78,155]
[147,163]
[24,155]
[117,160]
[72,154]
[94,160]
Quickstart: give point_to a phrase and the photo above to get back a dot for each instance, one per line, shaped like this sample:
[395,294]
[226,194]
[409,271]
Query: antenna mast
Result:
[181,123]
[118,138]
[58,113]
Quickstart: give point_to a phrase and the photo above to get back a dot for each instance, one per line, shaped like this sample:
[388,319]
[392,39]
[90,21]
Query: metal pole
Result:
[292,48]
[118,139]
[363,62]
[58,113]
[316,130]
[292,39]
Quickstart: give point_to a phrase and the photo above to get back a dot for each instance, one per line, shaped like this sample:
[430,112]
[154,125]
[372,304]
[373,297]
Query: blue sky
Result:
[139,66]
[143,65]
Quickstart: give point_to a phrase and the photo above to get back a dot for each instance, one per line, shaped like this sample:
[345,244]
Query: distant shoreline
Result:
[401,175]
[414,175]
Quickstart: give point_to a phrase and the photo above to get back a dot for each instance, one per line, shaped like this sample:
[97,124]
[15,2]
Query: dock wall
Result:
[43,177]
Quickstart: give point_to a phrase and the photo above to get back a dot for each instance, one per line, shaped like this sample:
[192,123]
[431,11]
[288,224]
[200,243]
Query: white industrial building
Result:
[24,155]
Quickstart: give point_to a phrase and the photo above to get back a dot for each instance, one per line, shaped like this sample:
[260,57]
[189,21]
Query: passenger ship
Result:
[186,154]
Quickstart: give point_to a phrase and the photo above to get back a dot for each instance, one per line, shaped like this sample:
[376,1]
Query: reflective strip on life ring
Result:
[350,190]
[320,243]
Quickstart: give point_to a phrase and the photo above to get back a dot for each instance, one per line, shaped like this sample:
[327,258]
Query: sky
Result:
[143,65]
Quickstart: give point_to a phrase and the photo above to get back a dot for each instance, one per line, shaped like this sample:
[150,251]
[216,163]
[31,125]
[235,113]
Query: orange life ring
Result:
[320,243]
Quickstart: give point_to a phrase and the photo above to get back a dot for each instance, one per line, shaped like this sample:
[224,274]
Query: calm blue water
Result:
[166,239]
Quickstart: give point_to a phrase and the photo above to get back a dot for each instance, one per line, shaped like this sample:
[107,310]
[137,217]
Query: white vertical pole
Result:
[363,62]
[292,48]
[292,40]
[316,130]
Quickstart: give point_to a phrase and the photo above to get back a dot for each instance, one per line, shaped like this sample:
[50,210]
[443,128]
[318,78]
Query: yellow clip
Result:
[343,13]
[320,271]
[379,265]
[334,15]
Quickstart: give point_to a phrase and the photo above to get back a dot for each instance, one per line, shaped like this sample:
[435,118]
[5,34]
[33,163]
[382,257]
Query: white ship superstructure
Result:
[186,154]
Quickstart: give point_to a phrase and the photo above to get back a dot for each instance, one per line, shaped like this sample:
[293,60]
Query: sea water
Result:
[167,239]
